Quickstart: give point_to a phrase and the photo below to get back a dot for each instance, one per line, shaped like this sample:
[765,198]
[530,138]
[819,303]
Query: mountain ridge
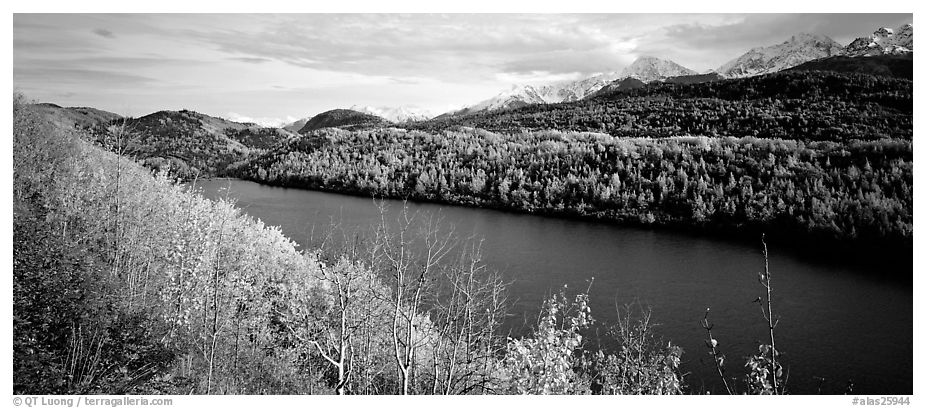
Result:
[796,50]
[883,42]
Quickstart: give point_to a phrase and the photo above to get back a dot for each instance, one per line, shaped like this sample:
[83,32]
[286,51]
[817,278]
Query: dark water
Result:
[838,322]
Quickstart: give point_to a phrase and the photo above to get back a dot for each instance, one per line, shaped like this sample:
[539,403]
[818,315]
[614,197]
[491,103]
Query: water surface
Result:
[837,322]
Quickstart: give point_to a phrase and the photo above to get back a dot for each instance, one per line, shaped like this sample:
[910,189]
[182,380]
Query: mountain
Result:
[648,69]
[883,41]
[522,95]
[80,117]
[192,143]
[795,51]
[295,126]
[343,118]
[892,66]
[399,114]
[645,69]
[794,105]
[620,85]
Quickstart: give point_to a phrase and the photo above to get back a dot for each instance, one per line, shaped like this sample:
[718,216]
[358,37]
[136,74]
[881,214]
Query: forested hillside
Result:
[344,118]
[861,190]
[891,66]
[127,283]
[805,106]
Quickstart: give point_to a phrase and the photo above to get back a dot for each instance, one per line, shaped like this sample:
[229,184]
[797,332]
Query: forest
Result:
[798,105]
[803,156]
[860,191]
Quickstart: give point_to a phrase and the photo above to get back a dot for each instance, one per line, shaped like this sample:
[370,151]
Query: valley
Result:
[604,226]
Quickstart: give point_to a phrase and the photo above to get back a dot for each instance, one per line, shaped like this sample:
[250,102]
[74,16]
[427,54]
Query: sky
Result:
[274,69]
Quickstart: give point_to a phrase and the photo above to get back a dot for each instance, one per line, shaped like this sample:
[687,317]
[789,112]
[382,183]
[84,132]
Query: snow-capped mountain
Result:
[295,126]
[883,41]
[648,69]
[645,69]
[551,93]
[396,114]
[795,51]
[521,95]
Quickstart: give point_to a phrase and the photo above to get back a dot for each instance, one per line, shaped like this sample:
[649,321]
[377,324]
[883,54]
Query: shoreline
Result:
[857,253]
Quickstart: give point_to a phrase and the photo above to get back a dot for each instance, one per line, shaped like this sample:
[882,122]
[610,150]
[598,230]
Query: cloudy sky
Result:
[275,68]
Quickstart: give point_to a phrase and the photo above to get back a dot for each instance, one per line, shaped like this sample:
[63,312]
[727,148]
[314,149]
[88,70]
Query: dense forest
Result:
[800,105]
[857,191]
[896,66]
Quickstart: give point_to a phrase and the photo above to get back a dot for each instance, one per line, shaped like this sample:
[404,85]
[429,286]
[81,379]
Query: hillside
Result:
[189,143]
[891,66]
[113,270]
[694,79]
[618,86]
[76,117]
[797,105]
[342,118]
[826,192]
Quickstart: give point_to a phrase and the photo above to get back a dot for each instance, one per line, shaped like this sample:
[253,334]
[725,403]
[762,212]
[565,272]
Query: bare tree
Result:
[410,272]
[712,344]
[469,309]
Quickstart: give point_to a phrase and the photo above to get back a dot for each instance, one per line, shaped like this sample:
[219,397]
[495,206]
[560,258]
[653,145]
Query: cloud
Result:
[404,81]
[263,121]
[436,46]
[80,76]
[278,65]
[251,60]
[102,32]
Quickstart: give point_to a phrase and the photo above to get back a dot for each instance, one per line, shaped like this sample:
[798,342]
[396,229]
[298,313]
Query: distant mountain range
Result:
[886,52]
[399,114]
[521,95]
[797,50]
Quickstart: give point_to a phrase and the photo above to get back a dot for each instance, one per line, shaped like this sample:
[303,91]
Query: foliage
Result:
[642,365]
[858,191]
[760,369]
[556,358]
[549,362]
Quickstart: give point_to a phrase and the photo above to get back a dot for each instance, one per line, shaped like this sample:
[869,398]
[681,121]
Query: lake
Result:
[838,321]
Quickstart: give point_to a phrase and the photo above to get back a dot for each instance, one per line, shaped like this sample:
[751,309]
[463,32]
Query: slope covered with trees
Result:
[127,283]
[344,118]
[858,191]
[892,66]
[805,106]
